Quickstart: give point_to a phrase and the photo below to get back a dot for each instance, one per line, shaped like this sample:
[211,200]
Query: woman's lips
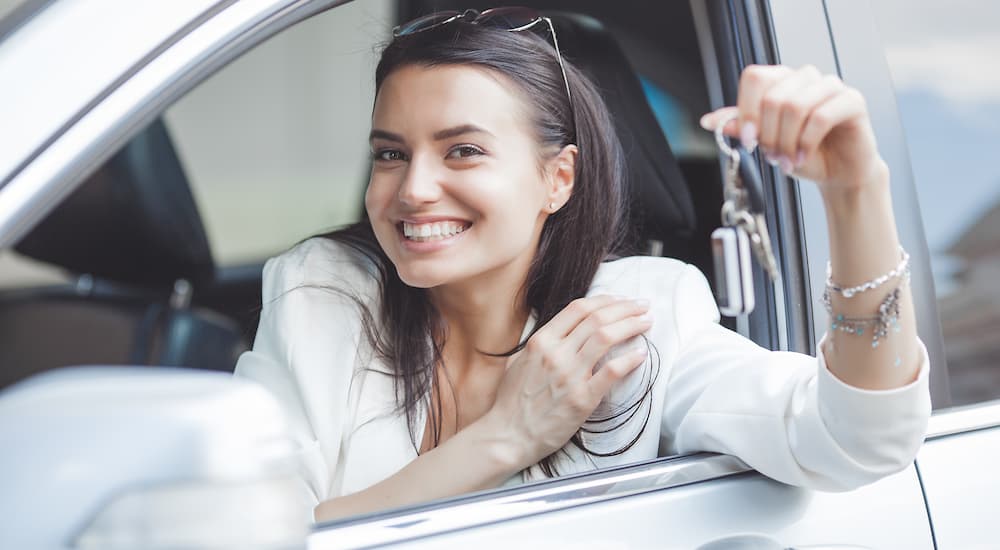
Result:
[426,235]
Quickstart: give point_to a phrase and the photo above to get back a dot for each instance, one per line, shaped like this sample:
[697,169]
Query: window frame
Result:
[133,101]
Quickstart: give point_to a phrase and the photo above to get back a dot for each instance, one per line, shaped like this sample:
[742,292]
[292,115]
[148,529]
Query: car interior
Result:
[146,289]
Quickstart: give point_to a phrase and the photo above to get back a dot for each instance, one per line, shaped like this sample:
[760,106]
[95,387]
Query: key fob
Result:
[750,179]
[734,290]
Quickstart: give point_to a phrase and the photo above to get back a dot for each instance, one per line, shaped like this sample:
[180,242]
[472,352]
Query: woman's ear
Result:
[562,172]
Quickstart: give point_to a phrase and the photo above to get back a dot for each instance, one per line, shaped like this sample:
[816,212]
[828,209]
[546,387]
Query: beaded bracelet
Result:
[902,268]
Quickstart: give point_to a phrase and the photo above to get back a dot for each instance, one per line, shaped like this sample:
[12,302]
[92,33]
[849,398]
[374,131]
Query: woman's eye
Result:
[464,151]
[389,155]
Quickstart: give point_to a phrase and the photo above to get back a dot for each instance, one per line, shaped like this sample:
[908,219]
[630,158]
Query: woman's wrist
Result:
[847,199]
[499,445]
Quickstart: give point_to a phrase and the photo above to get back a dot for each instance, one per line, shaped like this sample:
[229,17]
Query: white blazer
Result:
[785,414]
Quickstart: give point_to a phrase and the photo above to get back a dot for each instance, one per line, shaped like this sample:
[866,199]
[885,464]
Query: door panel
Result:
[889,514]
[960,478]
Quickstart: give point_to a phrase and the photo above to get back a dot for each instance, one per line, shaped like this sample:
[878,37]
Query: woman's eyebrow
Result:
[447,133]
[382,134]
[460,130]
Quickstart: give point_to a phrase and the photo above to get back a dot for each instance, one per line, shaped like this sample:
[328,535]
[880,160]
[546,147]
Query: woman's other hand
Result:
[550,387]
[813,125]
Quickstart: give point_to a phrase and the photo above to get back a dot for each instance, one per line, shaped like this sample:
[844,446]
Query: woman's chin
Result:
[421,277]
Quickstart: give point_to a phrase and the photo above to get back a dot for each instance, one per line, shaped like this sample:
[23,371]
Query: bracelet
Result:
[888,316]
[903,268]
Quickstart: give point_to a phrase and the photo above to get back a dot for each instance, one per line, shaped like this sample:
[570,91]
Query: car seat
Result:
[134,239]
[662,211]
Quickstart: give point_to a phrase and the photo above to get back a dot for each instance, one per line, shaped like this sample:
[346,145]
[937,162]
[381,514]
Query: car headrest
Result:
[133,221]
[662,208]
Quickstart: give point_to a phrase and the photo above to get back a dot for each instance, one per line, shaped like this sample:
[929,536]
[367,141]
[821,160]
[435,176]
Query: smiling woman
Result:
[480,327]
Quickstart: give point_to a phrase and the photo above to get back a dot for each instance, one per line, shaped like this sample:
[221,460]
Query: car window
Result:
[941,57]
[275,145]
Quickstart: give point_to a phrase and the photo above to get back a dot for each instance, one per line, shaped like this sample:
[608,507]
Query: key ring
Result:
[720,139]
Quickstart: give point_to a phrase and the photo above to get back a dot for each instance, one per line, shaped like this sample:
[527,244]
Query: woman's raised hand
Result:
[813,125]
[550,387]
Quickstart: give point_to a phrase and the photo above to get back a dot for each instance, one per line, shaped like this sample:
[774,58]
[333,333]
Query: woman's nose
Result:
[419,185]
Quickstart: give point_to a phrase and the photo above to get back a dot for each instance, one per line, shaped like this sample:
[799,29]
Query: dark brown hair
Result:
[587,230]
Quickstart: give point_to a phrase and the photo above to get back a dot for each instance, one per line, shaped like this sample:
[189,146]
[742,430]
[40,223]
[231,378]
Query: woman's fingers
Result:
[845,104]
[778,110]
[600,321]
[566,320]
[711,120]
[795,113]
[614,370]
[755,82]
[791,113]
[602,340]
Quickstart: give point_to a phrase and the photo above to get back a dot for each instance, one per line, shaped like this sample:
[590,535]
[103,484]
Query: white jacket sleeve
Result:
[304,352]
[783,413]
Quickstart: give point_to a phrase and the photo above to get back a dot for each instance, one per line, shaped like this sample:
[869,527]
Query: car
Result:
[153,155]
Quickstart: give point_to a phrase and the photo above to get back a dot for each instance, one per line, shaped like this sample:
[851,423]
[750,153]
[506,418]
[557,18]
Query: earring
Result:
[552,206]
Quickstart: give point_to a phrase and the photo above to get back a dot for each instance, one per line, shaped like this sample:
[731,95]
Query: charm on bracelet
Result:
[887,318]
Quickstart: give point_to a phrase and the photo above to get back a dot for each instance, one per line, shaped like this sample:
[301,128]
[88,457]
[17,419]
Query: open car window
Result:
[272,149]
[274,146]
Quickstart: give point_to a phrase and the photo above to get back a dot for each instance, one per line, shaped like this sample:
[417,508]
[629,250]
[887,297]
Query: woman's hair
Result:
[587,230]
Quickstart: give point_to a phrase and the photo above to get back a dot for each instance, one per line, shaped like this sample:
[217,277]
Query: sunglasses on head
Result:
[513,19]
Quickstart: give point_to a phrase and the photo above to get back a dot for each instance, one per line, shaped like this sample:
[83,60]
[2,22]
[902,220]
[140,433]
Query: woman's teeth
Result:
[432,231]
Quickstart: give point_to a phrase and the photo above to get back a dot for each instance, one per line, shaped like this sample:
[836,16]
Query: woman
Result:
[474,331]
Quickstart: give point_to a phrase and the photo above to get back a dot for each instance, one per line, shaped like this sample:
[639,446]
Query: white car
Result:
[153,154]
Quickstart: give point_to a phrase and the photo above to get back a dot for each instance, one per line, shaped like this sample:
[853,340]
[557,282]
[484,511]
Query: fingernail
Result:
[748,135]
[785,164]
[646,317]
[642,303]
[704,121]
[640,350]
[771,159]
[800,158]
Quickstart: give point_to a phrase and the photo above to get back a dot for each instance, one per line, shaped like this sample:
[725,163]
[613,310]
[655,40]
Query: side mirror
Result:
[112,457]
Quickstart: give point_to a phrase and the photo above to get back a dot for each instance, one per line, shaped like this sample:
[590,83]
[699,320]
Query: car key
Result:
[734,291]
[760,238]
[743,227]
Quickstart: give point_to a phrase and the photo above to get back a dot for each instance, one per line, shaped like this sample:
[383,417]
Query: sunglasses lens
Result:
[508,18]
[425,22]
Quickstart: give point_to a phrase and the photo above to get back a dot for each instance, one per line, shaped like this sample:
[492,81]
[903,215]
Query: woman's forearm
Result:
[477,457]
[864,244]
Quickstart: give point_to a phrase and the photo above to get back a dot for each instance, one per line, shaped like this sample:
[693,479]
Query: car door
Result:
[680,502]
[685,502]
[946,112]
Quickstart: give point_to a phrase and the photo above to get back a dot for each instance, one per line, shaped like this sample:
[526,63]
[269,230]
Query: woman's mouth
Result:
[433,231]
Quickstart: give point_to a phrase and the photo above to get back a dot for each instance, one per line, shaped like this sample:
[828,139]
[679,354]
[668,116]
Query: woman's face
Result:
[456,190]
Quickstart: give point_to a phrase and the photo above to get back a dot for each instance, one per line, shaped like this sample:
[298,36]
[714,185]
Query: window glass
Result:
[678,122]
[275,145]
[942,57]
